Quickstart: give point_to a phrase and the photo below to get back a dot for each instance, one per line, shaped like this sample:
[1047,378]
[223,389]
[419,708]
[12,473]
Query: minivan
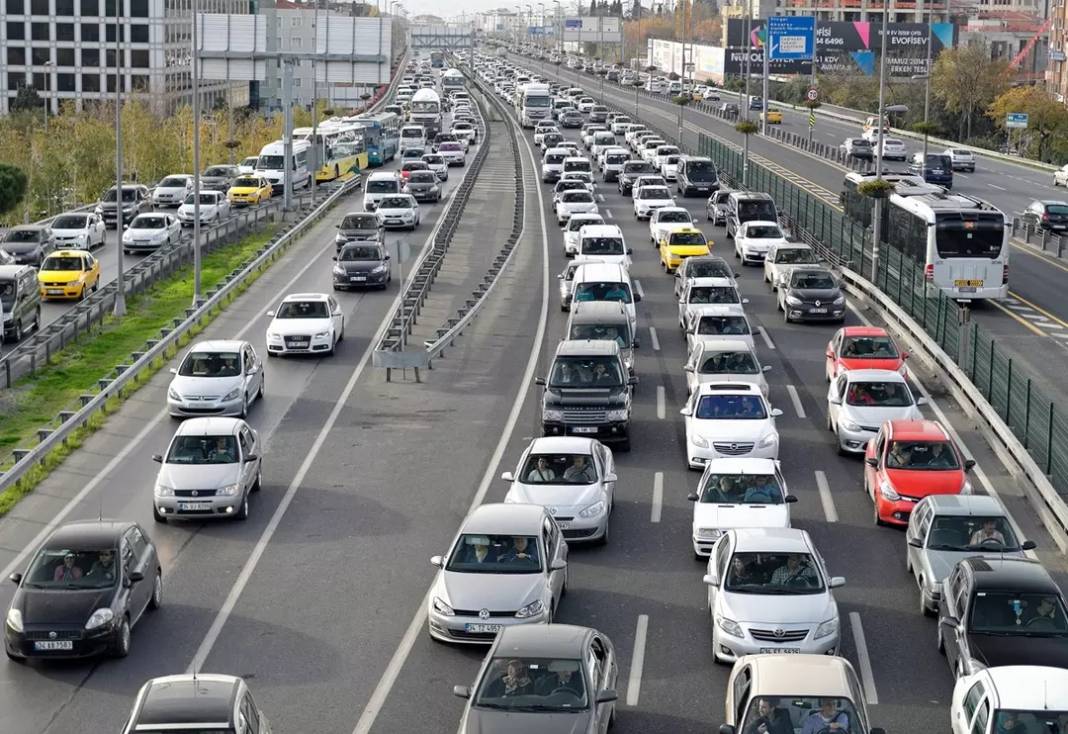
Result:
[380,184]
[604,320]
[605,282]
[20,296]
[749,206]
[412,136]
[696,175]
[937,168]
[604,242]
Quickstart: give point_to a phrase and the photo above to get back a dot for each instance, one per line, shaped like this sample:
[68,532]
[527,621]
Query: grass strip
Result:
[36,400]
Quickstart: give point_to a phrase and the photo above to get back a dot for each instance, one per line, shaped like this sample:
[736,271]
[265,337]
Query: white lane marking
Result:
[653,339]
[826,498]
[660,411]
[767,337]
[600,197]
[866,676]
[796,400]
[638,288]
[608,213]
[415,627]
[637,661]
[658,497]
[999,188]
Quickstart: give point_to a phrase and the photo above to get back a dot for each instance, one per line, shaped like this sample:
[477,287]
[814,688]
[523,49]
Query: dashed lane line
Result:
[637,661]
[658,497]
[795,398]
[863,659]
[830,512]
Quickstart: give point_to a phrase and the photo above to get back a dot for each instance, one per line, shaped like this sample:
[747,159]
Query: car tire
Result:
[15,658]
[924,609]
[120,646]
[156,600]
[242,513]
[244,407]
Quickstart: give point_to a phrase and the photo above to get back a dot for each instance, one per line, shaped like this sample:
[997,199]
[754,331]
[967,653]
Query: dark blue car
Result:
[936,168]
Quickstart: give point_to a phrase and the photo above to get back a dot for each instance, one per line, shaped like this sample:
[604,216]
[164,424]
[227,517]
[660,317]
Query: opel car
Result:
[726,419]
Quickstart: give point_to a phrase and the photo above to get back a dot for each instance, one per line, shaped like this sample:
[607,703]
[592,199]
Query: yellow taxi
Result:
[249,190]
[68,274]
[774,117]
[679,244]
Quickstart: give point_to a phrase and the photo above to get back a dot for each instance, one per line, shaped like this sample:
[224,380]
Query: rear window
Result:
[384,186]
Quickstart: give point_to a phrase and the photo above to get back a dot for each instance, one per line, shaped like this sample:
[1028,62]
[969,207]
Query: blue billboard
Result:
[791,37]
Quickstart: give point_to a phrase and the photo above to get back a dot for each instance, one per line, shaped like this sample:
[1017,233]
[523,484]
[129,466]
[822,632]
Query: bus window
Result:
[966,237]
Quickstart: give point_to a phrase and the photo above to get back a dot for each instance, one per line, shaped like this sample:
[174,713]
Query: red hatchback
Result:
[863,348]
[907,461]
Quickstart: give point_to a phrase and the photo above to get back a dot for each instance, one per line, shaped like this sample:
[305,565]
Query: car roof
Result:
[873,375]
[964,504]
[717,309]
[69,253]
[917,430]
[708,282]
[187,699]
[28,228]
[217,345]
[729,388]
[1028,687]
[586,347]
[733,465]
[605,272]
[562,445]
[722,345]
[1015,574]
[208,426]
[771,540]
[499,518]
[601,230]
[88,534]
[542,641]
[598,309]
[8,272]
[684,229]
[864,331]
[801,675]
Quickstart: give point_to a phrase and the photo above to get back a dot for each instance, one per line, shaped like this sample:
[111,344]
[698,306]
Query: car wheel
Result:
[15,658]
[263,386]
[242,513]
[157,591]
[120,647]
[924,609]
[244,407]
[830,425]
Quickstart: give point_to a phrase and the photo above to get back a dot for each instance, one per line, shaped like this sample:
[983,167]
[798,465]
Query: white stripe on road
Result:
[637,661]
[600,197]
[653,339]
[999,188]
[866,676]
[767,338]
[826,498]
[660,412]
[658,497]
[638,288]
[608,213]
[796,400]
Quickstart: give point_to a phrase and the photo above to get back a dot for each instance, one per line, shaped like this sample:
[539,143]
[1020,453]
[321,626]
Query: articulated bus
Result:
[340,149]
[381,135]
[859,207]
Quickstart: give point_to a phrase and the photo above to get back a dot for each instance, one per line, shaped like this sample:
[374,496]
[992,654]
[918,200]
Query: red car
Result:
[863,348]
[408,166]
[907,461]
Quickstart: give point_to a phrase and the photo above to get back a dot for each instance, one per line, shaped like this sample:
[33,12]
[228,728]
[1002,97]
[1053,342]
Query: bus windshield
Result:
[957,236]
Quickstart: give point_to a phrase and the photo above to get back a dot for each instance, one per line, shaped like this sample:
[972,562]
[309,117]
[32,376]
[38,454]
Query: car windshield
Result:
[614,159]
[729,363]
[759,209]
[1005,612]
[817,713]
[360,221]
[203,450]
[302,310]
[247,183]
[592,291]
[482,553]
[148,223]
[878,395]
[416,165]
[554,158]
[673,215]
[451,146]
[558,469]
[172,182]
[433,159]
[1060,209]
[688,238]
[813,281]
[583,166]
[794,256]
[577,197]
[672,160]
[359,252]
[653,192]
[70,221]
[73,568]
[742,489]
[972,533]
[603,246]
[384,186]
[763,232]
[869,347]
[423,177]
[570,184]
[204,199]
[708,269]
[715,294]
[619,333]
[527,685]
[394,202]
[634,169]
[725,325]
[730,407]
[586,372]
[62,262]
[250,161]
[922,456]
[216,171]
[211,364]
[773,573]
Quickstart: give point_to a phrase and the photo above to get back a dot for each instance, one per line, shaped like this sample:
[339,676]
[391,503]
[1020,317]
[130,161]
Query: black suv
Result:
[631,171]
[812,294]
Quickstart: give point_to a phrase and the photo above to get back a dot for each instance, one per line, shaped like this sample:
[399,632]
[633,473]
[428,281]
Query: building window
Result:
[65,82]
[109,33]
[109,58]
[140,82]
[138,8]
[64,7]
[41,56]
[15,81]
[64,31]
[90,32]
[90,82]
[90,8]
[111,83]
[16,56]
[14,7]
[139,59]
[16,31]
[90,57]
[39,31]
[139,33]
[64,57]
[39,7]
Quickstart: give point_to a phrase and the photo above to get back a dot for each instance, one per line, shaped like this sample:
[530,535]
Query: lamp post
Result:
[557,29]
[541,31]
[120,217]
[530,23]
[926,77]
[196,161]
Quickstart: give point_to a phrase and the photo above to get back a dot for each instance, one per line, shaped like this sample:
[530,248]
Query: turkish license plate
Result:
[817,310]
[968,283]
[55,291]
[780,650]
[475,627]
[357,278]
[53,645]
[298,344]
[584,429]
[194,506]
[563,525]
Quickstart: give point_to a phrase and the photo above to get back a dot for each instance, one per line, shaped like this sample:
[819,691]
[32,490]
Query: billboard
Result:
[593,30]
[791,37]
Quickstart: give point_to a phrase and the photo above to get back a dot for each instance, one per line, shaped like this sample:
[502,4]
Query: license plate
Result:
[298,344]
[817,310]
[194,506]
[55,291]
[782,650]
[53,645]
[584,429]
[563,525]
[482,627]
[357,278]
[968,283]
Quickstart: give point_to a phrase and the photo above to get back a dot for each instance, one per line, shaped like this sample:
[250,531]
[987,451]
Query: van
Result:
[604,320]
[696,175]
[552,164]
[270,165]
[606,282]
[871,128]
[380,184]
[20,296]
[412,136]
[604,242]
[749,206]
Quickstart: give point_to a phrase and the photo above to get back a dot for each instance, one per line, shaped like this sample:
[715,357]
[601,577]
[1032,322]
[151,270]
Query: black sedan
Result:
[812,294]
[423,185]
[86,587]
[544,678]
[362,265]
[631,171]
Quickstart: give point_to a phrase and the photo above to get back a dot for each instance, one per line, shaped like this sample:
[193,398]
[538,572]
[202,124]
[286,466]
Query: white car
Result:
[398,210]
[248,165]
[219,377]
[723,360]
[663,152]
[214,207]
[706,323]
[666,220]
[543,127]
[575,201]
[574,478]
[769,592]
[621,124]
[583,176]
[1060,176]
[669,169]
[572,228]
[783,259]
[699,292]
[585,105]
[151,232]
[436,163]
[587,136]
[894,150]
[725,419]
[465,131]
[860,401]
[752,240]
[454,152]
[1011,698]
[172,190]
[964,160]
[78,231]
[305,323]
[651,179]
[650,198]
[649,148]
[738,493]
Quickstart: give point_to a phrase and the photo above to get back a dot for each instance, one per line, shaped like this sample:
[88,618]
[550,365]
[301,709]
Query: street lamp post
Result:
[556,28]
[745,102]
[196,161]
[926,86]
[120,217]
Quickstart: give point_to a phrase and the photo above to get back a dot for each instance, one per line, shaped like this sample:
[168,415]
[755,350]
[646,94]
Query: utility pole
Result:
[927,83]
[287,134]
[196,160]
[745,102]
[120,217]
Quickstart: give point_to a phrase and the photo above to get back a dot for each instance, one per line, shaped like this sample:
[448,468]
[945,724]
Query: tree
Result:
[1047,120]
[27,100]
[12,187]
[967,81]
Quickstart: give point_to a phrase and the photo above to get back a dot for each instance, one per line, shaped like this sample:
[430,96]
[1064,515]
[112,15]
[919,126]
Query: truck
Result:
[426,111]
[452,80]
[437,59]
[535,104]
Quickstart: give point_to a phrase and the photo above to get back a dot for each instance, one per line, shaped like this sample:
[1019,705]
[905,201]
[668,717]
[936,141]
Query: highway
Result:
[318,599]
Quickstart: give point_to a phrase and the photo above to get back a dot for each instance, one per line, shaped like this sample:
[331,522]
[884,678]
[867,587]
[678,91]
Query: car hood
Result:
[761,241]
[60,607]
[19,248]
[243,189]
[997,650]
[64,233]
[170,190]
[198,476]
[921,483]
[60,276]
[188,385]
[188,208]
[479,721]
[143,233]
[711,515]
[774,609]
[395,212]
[498,592]
[421,185]
[823,295]
[734,431]
[688,250]
[359,266]
[875,417]
[561,499]
[289,327]
[849,363]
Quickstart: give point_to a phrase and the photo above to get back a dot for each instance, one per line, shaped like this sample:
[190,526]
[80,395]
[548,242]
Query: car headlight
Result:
[729,626]
[887,491]
[966,488]
[699,442]
[597,508]
[617,414]
[14,619]
[552,414]
[792,301]
[173,394]
[849,425]
[769,439]
[839,301]
[826,629]
[99,210]
[232,395]
[381,268]
[228,491]
[272,337]
[442,608]
[322,335]
[709,533]
[338,270]
[530,610]
[99,618]
[162,490]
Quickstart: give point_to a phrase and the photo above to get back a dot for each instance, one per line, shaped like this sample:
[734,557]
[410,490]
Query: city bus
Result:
[381,135]
[962,242]
[340,148]
[859,207]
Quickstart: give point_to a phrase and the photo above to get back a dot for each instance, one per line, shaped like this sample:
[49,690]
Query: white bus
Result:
[270,164]
[961,242]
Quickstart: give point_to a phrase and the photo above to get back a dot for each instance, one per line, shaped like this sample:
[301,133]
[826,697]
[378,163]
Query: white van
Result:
[604,242]
[378,185]
[606,282]
[270,164]
[412,136]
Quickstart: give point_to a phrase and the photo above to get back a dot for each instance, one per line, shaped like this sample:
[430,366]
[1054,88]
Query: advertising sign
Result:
[791,37]
[847,36]
[593,30]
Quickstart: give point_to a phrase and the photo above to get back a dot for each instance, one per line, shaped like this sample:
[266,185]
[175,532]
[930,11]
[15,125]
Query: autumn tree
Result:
[1047,120]
[966,80]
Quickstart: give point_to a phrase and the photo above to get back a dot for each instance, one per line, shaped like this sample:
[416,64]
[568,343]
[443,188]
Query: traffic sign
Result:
[813,94]
[1016,119]
[791,37]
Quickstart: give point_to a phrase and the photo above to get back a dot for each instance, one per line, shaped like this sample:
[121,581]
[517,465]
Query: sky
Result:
[454,8]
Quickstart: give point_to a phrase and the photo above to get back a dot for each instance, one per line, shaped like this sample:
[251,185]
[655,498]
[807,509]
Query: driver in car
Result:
[793,573]
[827,720]
[988,533]
[1045,614]
[560,681]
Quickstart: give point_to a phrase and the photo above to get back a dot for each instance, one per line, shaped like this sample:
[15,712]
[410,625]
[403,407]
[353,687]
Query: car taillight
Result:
[928,273]
[1004,273]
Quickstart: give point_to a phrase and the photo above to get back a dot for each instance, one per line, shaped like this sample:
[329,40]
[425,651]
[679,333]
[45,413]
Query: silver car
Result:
[573,478]
[209,470]
[946,528]
[860,401]
[507,566]
[221,377]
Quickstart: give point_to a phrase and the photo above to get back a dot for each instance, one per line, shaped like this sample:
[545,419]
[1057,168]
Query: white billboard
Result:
[593,30]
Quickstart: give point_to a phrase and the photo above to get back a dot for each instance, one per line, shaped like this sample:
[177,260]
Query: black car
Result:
[571,118]
[362,265]
[936,168]
[998,611]
[756,103]
[358,227]
[728,109]
[85,588]
[551,140]
[28,244]
[219,178]
[424,186]
[631,171]
[1048,215]
[196,703]
[812,294]
[444,138]
[599,114]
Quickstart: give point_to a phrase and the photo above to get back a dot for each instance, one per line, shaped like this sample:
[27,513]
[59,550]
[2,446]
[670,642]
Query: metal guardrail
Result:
[51,439]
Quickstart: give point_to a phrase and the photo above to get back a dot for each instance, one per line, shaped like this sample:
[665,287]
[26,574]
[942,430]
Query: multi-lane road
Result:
[318,599]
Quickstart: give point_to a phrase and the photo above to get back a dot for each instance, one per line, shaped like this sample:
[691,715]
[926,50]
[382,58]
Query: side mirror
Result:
[766,368]
[251,457]
[632,380]
[905,355]
[608,695]
[922,400]
[334,258]
[158,458]
[461,691]
[775,412]
[872,462]
[637,297]
[387,257]
[558,565]
[829,354]
[790,499]
[1027,545]
[711,579]
[15,578]
[692,497]
[539,381]
[916,542]
[951,622]
[270,313]
[611,477]
[173,370]
[508,476]
[745,300]
[836,582]
[136,576]
[437,561]
[834,400]
[969,464]
[688,368]
[560,276]
[684,411]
